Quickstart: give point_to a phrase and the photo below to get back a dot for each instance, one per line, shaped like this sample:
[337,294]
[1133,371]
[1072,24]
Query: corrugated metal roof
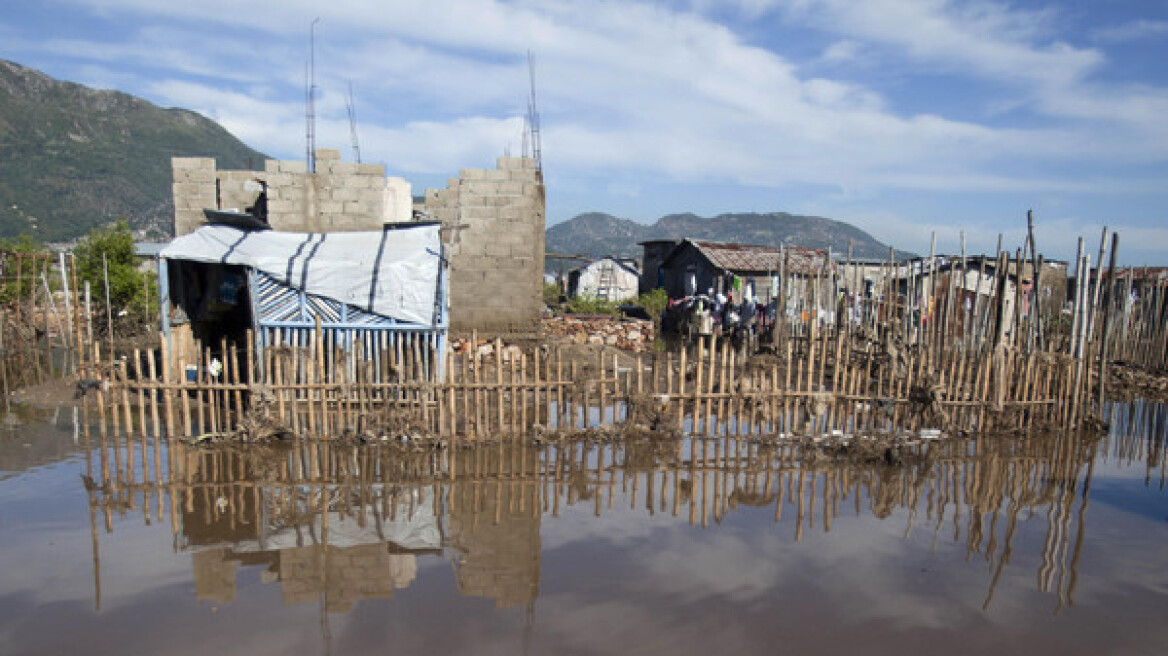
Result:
[749,257]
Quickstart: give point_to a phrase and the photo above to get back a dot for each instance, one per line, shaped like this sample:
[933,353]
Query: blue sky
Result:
[902,117]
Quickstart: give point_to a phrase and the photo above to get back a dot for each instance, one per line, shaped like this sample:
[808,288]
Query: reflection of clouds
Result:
[576,625]
[866,569]
[622,526]
[135,560]
[51,506]
[718,564]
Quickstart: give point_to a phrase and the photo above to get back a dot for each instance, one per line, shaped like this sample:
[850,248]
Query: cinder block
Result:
[515,214]
[480,213]
[467,175]
[200,176]
[512,163]
[444,214]
[293,166]
[188,189]
[284,182]
[327,154]
[240,176]
[187,163]
[371,169]
[342,194]
[339,168]
[359,181]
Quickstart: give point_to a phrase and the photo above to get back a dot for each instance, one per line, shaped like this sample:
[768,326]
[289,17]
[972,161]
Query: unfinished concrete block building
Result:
[492,221]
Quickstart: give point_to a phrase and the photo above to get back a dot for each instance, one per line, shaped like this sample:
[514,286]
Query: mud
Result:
[1125,382]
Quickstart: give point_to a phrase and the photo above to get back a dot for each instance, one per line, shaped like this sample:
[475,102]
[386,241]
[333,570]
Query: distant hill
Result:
[596,235]
[72,157]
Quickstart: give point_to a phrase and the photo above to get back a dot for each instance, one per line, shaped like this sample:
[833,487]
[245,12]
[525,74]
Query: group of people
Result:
[741,319]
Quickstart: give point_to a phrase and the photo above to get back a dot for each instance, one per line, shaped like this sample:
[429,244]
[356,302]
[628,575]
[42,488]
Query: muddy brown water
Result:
[1051,544]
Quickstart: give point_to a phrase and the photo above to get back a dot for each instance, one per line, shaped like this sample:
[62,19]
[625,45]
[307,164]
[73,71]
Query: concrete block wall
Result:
[338,197]
[492,219]
[493,227]
[194,191]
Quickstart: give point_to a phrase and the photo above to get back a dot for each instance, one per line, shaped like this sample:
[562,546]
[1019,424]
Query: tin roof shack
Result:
[608,279]
[653,256]
[379,291]
[696,267]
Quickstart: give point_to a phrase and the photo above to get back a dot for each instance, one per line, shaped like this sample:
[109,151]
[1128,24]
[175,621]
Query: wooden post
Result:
[1104,339]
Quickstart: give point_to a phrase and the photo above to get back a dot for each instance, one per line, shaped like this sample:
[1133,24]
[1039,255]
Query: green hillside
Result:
[72,157]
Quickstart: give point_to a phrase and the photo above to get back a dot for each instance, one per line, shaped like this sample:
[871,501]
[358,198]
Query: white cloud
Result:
[841,51]
[645,92]
[979,38]
[1133,31]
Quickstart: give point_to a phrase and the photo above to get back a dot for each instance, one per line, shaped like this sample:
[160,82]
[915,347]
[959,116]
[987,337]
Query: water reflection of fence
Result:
[816,385]
[1139,433]
[982,488]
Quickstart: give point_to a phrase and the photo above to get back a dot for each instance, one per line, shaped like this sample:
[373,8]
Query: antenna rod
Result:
[349,105]
[310,114]
[533,116]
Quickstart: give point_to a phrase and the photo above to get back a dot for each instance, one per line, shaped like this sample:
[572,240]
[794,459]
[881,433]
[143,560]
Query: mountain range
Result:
[72,157]
[595,234]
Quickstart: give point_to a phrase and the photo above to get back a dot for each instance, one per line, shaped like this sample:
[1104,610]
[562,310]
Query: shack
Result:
[697,267]
[373,295]
[608,278]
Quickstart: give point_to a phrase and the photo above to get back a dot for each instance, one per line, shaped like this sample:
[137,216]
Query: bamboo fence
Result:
[982,487]
[919,355]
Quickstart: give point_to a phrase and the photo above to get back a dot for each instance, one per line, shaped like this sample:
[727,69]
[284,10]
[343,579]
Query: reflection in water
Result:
[1139,431]
[336,524]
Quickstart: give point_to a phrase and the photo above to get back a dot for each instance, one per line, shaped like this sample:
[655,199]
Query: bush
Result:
[130,291]
[654,302]
[551,294]
[591,305]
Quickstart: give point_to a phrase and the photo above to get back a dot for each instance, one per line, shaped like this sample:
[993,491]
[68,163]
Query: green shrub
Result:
[551,294]
[591,305]
[654,302]
[130,291]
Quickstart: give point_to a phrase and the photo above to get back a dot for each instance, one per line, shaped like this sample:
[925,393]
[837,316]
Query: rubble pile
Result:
[629,334]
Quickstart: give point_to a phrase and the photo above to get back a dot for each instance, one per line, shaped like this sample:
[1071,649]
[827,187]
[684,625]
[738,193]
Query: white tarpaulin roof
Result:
[392,272]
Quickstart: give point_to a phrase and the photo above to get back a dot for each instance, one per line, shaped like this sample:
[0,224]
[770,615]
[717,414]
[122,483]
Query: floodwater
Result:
[960,546]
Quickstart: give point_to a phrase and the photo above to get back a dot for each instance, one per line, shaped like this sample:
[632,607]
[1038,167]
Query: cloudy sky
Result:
[904,117]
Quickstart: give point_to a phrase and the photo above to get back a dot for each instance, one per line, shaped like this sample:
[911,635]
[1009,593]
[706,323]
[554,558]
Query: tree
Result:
[130,290]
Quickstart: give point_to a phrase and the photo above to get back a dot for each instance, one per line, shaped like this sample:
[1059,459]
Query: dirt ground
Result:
[52,393]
